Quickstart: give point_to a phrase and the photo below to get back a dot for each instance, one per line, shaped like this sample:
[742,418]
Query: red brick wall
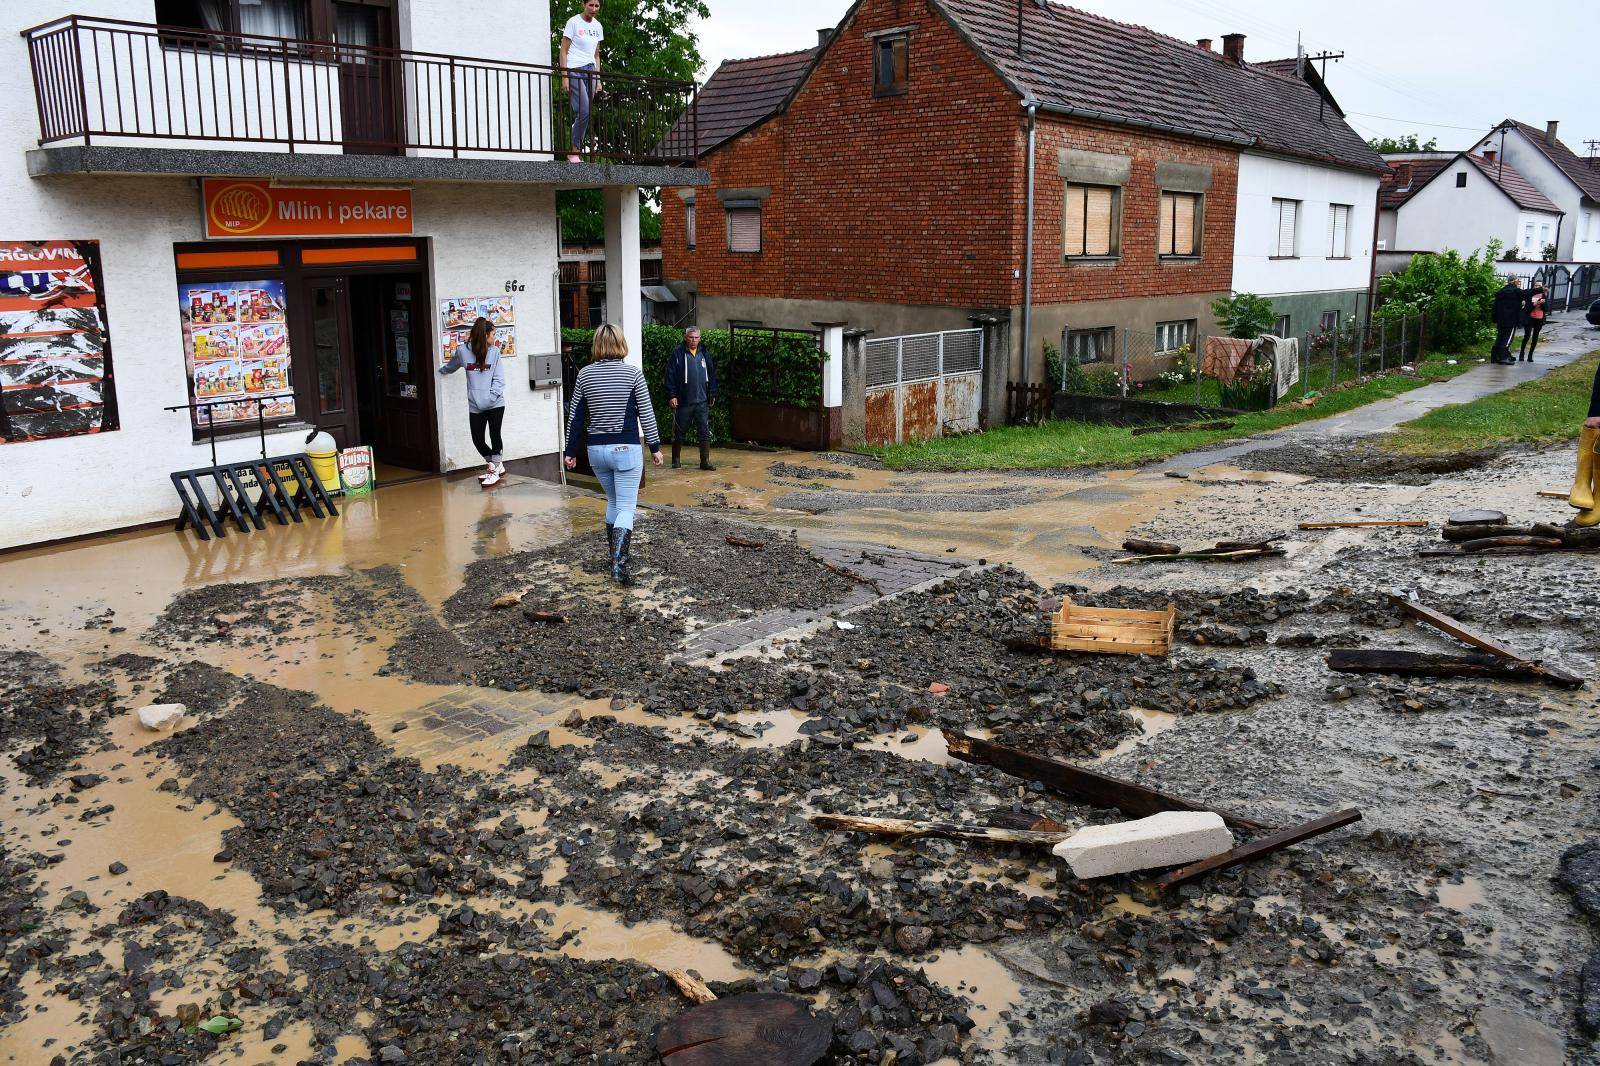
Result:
[752,160]
[1138,272]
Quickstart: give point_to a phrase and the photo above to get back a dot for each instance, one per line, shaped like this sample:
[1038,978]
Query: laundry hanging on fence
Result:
[1284,353]
[1229,359]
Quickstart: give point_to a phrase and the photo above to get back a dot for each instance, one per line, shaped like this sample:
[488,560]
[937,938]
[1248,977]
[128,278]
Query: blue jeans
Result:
[582,82]
[620,468]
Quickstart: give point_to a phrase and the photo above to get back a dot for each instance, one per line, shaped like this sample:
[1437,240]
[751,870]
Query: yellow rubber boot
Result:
[1583,488]
[1591,517]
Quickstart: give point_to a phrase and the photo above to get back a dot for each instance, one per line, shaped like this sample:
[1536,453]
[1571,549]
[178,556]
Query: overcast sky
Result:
[1410,66]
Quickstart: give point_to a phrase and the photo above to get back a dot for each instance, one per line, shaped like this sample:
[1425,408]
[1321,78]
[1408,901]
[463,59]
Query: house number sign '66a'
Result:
[515,286]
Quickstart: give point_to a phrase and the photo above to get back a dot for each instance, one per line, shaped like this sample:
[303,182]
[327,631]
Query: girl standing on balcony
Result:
[580,69]
[486,395]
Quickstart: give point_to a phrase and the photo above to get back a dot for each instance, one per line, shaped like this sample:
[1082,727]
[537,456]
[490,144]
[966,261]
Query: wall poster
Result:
[236,342]
[456,316]
[55,354]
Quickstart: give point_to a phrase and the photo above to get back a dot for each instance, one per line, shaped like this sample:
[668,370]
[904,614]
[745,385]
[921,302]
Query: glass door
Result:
[332,390]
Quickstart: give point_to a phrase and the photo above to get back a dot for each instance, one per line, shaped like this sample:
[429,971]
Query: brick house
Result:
[881,178]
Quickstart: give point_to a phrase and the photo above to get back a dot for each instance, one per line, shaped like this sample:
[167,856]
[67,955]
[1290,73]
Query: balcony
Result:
[130,97]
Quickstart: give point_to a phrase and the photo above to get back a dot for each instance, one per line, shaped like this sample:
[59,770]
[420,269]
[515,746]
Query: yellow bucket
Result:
[323,452]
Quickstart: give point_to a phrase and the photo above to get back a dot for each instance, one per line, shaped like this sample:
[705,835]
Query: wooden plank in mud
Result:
[1260,849]
[764,1027]
[907,829]
[1426,664]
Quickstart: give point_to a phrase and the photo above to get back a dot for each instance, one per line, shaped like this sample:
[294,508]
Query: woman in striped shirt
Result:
[612,398]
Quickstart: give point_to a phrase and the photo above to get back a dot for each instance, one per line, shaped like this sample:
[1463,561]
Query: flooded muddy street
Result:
[443,793]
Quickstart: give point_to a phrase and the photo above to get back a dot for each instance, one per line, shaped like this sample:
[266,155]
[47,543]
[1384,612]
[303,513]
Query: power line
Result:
[1419,122]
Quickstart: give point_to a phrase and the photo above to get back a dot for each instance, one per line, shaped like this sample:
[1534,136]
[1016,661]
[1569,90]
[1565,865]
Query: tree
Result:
[653,39]
[1406,143]
[1455,291]
[1245,315]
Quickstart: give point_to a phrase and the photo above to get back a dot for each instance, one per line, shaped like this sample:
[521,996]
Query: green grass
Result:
[1548,411]
[1073,444]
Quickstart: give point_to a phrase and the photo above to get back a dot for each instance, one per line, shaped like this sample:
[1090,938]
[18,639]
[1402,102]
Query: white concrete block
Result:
[1170,838]
[161,716]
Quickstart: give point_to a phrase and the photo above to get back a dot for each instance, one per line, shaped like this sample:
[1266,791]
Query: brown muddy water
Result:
[1431,932]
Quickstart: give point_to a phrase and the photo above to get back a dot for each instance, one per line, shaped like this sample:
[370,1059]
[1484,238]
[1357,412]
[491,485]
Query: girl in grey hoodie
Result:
[486,395]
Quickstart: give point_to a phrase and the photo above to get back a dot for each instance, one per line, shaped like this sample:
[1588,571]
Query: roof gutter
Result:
[1027,246]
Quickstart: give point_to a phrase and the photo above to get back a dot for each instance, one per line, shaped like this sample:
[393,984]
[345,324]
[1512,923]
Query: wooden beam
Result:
[1545,543]
[1136,801]
[906,829]
[1260,849]
[693,989]
[1483,642]
[1363,525]
[1425,664]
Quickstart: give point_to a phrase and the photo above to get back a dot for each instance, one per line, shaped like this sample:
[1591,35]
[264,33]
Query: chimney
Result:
[1402,175]
[824,36]
[1488,154]
[1550,132]
[1233,47]
[1204,43]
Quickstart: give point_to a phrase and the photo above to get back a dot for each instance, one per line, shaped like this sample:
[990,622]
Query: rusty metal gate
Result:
[923,385]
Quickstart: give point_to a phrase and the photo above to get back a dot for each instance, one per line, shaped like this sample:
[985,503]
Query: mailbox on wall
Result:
[544,371]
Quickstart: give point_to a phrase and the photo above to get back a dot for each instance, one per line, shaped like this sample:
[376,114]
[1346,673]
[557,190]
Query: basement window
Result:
[891,65]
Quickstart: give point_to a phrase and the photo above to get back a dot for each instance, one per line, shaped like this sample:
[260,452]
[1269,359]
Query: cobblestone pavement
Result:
[471,718]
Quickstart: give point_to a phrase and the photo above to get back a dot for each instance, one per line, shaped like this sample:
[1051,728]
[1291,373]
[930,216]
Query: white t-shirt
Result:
[585,35]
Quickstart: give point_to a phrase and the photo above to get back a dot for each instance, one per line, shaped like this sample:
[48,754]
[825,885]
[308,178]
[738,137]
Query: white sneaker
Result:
[488,472]
[491,481]
[500,469]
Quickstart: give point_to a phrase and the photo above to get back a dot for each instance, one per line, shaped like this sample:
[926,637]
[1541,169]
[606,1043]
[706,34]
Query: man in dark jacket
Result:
[691,390]
[1509,303]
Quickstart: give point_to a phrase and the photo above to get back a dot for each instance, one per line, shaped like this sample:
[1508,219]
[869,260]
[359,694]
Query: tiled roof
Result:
[1514,185]
[1395,195]
[1096,67]
[744,92]
[1585,174]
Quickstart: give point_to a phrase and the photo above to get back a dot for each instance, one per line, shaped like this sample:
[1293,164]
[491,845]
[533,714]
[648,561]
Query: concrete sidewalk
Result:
[1567,338]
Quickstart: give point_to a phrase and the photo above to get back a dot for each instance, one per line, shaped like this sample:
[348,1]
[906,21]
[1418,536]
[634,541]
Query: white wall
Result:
[1265,178]
[1585,226]
[1531,162]
[1444,216]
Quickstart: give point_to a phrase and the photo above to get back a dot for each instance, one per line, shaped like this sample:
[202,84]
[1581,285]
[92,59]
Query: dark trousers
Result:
[1502,342]
[687,413]
[486,433]
[1530,337]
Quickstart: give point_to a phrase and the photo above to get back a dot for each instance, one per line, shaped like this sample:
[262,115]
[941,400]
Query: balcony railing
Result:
[108,81]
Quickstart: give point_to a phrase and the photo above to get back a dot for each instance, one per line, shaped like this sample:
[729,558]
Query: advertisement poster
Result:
[55,355]
[456,316]
[356,470]
[236,340]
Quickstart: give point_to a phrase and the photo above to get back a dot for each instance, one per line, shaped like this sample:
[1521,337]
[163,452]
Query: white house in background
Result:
[1434,201]
[207,202]
[1570,181]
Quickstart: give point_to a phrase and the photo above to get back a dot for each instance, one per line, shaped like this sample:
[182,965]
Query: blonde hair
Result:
[609,343]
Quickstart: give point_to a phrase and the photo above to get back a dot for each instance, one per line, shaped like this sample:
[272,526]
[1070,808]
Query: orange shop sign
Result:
[236,207]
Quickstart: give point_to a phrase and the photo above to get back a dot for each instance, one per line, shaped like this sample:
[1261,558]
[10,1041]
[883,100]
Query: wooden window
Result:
[1285,236]
[689,225]
[744,228]
[1092,221]
[1179,232]
[891,69]
[1338,231]
[1170,336]
[1089,345]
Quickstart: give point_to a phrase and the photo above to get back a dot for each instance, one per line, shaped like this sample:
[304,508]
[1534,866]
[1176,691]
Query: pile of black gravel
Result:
[45,722]
[801,472]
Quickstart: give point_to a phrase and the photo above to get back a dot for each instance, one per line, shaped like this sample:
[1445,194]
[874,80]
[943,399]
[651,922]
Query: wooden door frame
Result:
[306,378]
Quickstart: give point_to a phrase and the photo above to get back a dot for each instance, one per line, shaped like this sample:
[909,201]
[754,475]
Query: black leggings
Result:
[488,443]
[1530,337]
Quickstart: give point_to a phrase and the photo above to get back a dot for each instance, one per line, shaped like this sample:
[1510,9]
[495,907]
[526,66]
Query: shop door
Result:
[398,407]
[368,81]
[332,371]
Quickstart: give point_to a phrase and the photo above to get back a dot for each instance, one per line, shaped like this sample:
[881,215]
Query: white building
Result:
[279,207]
[1571,182]
[1463,201]
[1303,238]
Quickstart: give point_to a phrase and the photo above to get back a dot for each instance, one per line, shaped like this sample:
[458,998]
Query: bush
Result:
[1052,365]
[1455,292]
[1244,315]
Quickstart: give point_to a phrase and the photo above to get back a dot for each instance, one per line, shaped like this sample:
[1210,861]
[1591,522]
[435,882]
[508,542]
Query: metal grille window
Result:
[1170,336]
[1285,236]
[1338,231]
[744,227]
[1092,220]
[689,226]
[1180,225]
[891,66]
[921,356]
[963,352]
[1089,345]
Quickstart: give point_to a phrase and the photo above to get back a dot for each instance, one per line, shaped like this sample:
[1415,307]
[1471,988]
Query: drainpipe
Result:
[1027,252]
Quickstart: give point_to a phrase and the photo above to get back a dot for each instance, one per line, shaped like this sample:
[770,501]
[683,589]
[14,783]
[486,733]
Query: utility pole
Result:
[1594,149]
[1500,157]
[1322,57]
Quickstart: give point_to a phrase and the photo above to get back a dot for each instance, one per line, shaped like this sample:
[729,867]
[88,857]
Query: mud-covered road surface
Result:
[402,824]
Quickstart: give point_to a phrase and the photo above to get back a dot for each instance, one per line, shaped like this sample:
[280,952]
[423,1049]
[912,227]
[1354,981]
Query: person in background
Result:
[1508,305]
[580,69]
[486,396]
[1533,322]
[1584,486]
[691,392]
[612,399]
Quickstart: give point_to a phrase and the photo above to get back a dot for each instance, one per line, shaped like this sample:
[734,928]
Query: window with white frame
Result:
[1285,237]
[1338,231]
[1089,345]
[1170,336]
[1090,221]
[1282,327]
[1179,230]
[1527,237]
[744,226]
[1330,321]
[1544,236]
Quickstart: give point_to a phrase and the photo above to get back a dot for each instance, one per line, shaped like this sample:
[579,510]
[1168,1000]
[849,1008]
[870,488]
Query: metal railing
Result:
[110,80]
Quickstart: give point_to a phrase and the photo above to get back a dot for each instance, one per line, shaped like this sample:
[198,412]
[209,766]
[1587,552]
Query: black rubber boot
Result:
[620,541]
[676,449]
[611,540]
[705,456]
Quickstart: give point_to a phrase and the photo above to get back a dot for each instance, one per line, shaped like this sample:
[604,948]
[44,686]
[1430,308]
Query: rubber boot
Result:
[705,455]
[1583,487]
[611,539]
[621,540]
[676,451]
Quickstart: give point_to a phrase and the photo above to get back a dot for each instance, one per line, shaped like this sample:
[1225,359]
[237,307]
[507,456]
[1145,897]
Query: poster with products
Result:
[55,352]
[236,343]
[457,314]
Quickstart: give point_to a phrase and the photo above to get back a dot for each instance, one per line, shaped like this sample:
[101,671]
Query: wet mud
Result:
[1366,461]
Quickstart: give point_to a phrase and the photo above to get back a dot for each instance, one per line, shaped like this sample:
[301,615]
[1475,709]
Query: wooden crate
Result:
[1112,632]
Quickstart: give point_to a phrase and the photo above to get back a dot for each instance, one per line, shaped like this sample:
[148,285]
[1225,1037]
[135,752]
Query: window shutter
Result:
[1097,235]
[1338,231]
[1164,228]
[689,225]
[1074,219]
[744,229]
[1287,217]
[1184,210]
